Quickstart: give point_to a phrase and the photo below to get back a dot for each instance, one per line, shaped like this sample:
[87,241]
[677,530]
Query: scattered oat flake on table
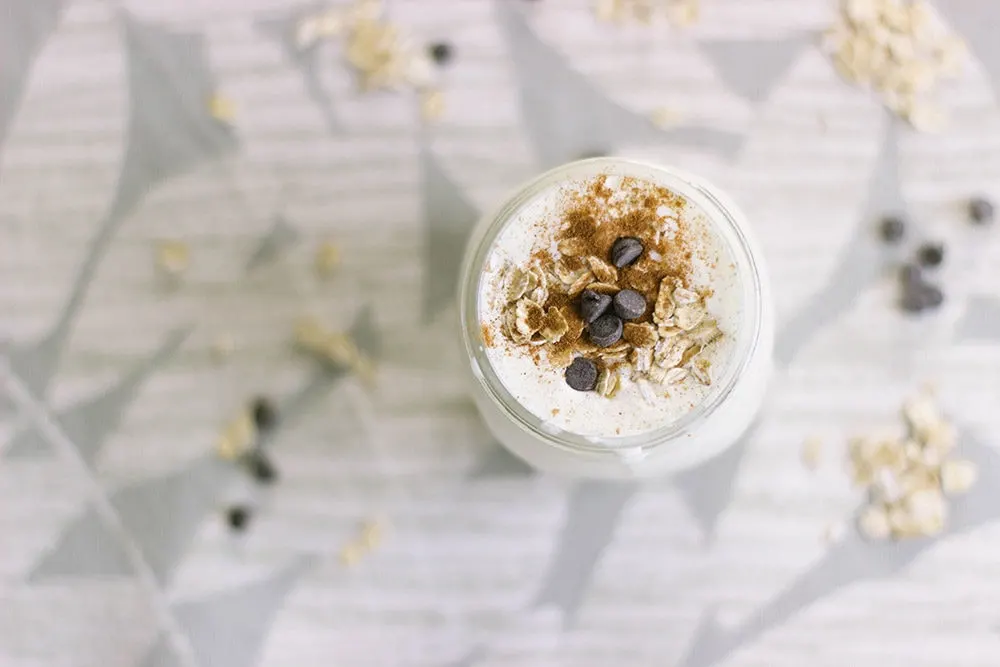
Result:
[900,50]
[351,553]
[222,347]
[812,452]
[333,347]
[681,13]
[834,532]
[431,104]
[173,257]
[236,436]
[327,258]
[222,108]
[372,532]
[908,476]
[665,117]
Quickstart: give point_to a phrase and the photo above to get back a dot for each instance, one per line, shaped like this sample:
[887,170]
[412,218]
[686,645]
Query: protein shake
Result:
[617,309]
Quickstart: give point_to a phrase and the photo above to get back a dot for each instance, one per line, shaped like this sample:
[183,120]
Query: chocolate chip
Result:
[930,254]
[981,210]
[261,467]
[606,330]
[933,296]
[919,296]
[593,305]
[582,374]
[629,304]
[625,250]
[912,300]
[265,415]
[892,229]
[441,52]
[237,517]
[910,274]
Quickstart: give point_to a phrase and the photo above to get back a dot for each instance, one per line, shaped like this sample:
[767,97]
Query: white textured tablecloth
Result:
[113,547]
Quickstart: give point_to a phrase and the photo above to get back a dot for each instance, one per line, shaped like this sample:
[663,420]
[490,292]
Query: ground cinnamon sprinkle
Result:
[487,335]
[542,316]
[588,220]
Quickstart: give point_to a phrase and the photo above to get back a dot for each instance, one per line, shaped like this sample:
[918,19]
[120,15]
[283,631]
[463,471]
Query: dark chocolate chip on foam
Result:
[582,374]
[629,304]
[606,330]
[625,251]
[593,305]
[981,210]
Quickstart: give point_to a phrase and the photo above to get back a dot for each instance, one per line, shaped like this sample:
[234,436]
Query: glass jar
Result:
[709,428]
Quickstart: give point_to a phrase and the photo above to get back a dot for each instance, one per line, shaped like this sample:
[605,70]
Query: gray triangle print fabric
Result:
[238,423]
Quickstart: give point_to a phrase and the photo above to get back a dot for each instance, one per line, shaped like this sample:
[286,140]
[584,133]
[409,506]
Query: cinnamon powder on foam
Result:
[588,217]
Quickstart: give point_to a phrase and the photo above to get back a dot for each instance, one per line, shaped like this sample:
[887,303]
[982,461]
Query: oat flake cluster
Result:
[910,477]
[543,311]
[382,56]
[900,50]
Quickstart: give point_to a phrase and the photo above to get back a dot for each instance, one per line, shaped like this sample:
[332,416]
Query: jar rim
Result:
[718,209]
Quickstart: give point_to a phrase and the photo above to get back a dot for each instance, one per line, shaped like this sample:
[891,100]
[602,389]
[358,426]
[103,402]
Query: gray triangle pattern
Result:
[981,321]
[229,628]
[751,68]
[976,21]
[273,243]
[708,489]
[170,131]
[161,655]
[861,261]
[27,443]
[591,518]
[85,548]
[24,29]
[565,115]
[366,333]
[161,515]
[851,561]
[369,340]
[498,462]
[448,221]
[282,28]
[89,424]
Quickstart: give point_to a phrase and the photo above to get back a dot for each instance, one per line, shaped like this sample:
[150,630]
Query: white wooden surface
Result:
[462,560]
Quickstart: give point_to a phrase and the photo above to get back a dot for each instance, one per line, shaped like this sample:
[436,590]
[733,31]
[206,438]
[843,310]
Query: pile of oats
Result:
[900,50]
[909,477]
[382,56]
[680,12]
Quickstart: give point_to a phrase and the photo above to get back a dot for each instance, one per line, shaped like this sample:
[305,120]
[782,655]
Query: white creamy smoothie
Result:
[617,321]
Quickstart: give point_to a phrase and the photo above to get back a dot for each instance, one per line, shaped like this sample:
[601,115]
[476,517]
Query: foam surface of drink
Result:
[541,388]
